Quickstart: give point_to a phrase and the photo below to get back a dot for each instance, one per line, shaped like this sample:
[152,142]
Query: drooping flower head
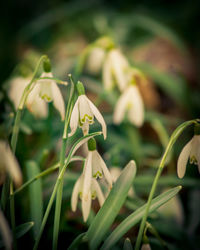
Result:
[84,112]
[115,70]
[87,186]
[190,152]
[34,103]
[49,91]
[9,164]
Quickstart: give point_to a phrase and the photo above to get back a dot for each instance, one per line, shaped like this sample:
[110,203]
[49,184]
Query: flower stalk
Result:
[62,161]
[178,131]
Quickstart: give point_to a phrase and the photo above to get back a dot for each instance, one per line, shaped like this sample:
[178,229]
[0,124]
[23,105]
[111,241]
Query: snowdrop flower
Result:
[95,60]
[34,103]
[99,168]
[84,112]
[131,102]
[191,151]
[48,90]
[115,70]
[87,188]
[146,246]
[9,164]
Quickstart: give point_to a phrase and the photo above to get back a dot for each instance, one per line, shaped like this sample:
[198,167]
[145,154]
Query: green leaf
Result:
[136,216]
[35,196]
[111,206]
[76,242]
[20,231]
[23,229]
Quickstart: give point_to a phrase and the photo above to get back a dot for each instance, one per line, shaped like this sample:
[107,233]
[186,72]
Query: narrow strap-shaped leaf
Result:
[136,216]
[35,196]
[23,229]
[111,206]
[20,231]
[74,245]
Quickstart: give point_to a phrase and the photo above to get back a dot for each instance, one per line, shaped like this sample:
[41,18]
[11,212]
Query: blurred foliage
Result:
[159,37]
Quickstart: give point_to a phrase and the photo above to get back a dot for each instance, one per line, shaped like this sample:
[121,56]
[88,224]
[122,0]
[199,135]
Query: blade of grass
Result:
[111,206]
[136,216]
[35,196]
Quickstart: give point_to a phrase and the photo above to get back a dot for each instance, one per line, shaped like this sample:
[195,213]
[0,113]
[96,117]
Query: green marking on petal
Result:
[46,98]
[94,195]
[98,174]
[193,160]
[83,120]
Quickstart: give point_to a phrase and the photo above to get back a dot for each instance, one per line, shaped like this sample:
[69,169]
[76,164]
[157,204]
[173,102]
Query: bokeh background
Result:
[162,39]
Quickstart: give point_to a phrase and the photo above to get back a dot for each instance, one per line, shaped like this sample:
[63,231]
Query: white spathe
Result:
[83,115]
[131,102]
[9,164]
[49,91]
[115,70]
[191,151]
[34,103]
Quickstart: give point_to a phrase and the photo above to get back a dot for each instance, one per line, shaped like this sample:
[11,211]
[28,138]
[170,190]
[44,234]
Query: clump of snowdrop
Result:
[87,186]
[9,164]
[190,152]
[130,102]
[84,112]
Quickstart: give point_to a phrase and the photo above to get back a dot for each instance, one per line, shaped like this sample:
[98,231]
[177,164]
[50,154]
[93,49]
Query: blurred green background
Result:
[162,38]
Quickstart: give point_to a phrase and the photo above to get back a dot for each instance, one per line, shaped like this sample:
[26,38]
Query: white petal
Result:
[86,114]
[99,118]
[58,100]
[183,159]
[74,118]
[87,176]
[96,168]
[38,107]
[17,87]
[10,163]
[107,74]
[106,172]
[99,193]
[119,65]
[86,205]
[136,113]
[75,194]
[120,107]
[95,60]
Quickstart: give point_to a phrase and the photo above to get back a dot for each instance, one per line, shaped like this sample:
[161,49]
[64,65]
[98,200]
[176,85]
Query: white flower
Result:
[87,188]
[130,101]
[115,70]
[49,91]
[34,103]
[83,115]
[190,151]
[146,246]
[99,168]
[9,164]
[95,60]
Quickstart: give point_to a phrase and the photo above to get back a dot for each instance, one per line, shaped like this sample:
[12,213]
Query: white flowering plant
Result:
[82,159]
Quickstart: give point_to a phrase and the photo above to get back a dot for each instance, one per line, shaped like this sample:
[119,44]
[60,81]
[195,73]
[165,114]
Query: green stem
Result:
[61,174]
[14,143]
[62,161]
[172,140]
[45,172]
